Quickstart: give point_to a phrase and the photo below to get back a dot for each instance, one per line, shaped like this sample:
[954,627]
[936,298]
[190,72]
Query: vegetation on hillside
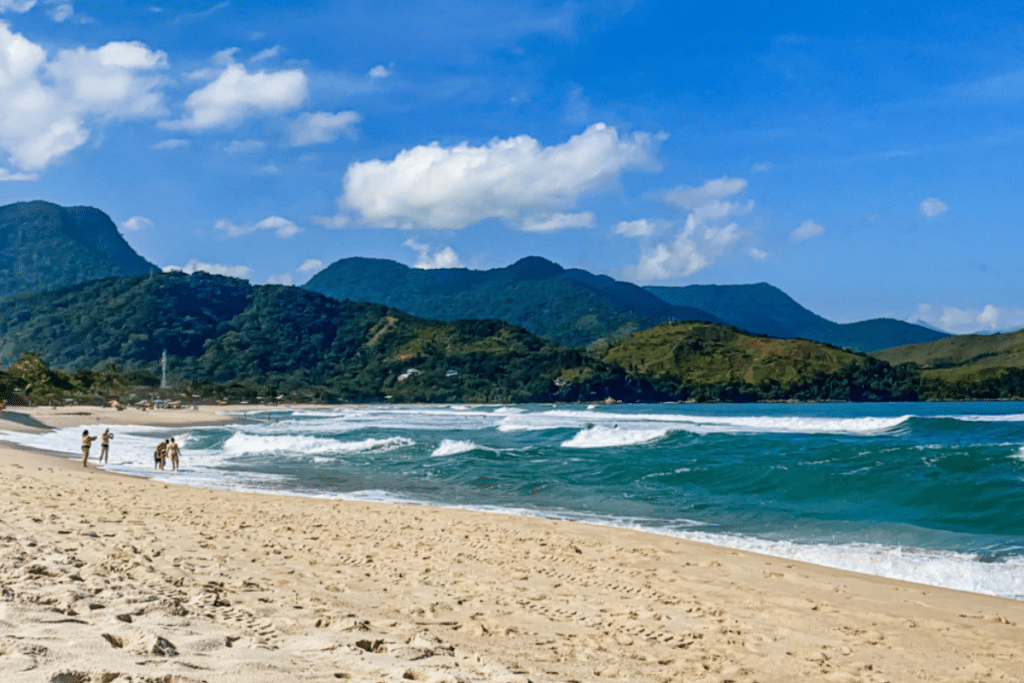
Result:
[44,246]
[973,366]
[763,309]
[226,338]
[701,362]
[533,293]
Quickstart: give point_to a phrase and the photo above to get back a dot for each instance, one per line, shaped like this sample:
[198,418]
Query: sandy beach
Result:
[111,578]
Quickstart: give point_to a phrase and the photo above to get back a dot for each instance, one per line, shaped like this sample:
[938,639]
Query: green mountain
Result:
[965,357]
[970,366]
[764,309]
[268,340]
[227,337]
[44,246]
[572,308]
[698,361]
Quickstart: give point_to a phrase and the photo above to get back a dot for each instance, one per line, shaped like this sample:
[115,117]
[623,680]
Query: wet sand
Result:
[112,578]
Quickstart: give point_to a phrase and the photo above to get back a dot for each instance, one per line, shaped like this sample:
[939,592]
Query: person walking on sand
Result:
[160,455]
[86,445]
[105,445]
[174,452]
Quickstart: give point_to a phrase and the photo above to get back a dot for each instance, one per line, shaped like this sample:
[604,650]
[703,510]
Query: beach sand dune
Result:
[107,578]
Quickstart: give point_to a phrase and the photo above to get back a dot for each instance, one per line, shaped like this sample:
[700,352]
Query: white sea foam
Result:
[946,569]
[702,424]
[608,437]
[242,443]
[454,447]
[1017,417]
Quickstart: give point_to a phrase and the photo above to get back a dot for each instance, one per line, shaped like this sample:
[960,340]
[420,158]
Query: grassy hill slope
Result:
[693,358]
[989,360]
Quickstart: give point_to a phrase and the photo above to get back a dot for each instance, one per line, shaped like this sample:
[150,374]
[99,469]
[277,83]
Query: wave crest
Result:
[609,437]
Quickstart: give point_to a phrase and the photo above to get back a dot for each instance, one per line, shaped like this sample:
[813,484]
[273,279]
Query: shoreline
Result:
[106,574]
[952,569]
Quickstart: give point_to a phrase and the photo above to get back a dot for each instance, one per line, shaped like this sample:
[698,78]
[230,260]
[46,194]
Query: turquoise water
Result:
[926,492]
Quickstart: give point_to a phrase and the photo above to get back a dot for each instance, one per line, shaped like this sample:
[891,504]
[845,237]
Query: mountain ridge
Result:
[46,246]
[533,293]
[779,315]
[577,308]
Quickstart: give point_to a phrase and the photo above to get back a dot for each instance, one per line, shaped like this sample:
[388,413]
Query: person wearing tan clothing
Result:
[175,452]
[86,445]
[105,445]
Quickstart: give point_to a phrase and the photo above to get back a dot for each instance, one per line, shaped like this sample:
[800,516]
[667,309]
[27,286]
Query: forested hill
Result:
[763,309]
[970,366]
[275,339]
[534,293]
[46,246]
[697,361]
[270,339]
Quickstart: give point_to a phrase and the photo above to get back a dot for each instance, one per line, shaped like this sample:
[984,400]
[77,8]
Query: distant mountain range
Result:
[224,336]
[576,308]
[573,308]
[272,339]
[764,309]
[45,246]
[358,337]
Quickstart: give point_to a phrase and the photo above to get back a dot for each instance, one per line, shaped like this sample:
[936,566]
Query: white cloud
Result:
[512,179]
[379,71]
[763,167]
[706,202]
[322,126]
[446,258]
[172,143]
[932,207]
[18,6]
[558,221]
[639,228]
[806,231]
[236,94]
[965,321]
[701,241]
[331,222]
[269,169]
[282,279]
[244,146]
[693,250]
[282,227]
[7,175]
[49,105]
[757,254]
[213,268]
[310,266]
[62,11]
[136,223]
[264,55]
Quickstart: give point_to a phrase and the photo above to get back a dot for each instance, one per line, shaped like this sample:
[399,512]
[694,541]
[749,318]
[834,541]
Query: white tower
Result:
[163,367]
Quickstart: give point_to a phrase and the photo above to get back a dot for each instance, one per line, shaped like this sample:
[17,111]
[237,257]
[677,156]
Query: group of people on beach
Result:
[104,446]
[166,449]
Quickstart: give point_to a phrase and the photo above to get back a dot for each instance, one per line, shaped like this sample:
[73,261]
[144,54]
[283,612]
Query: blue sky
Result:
[865,157]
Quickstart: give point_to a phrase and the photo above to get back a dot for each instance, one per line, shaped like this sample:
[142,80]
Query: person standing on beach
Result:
[105,445]
[86,445]
[160,455]
[174,452]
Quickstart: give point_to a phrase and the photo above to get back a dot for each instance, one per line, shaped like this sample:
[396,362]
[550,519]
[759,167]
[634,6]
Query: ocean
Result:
[926,492]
